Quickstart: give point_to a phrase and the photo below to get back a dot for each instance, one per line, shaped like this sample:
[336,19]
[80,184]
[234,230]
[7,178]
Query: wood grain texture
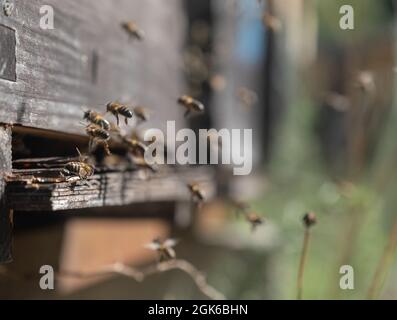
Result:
[88,60]
[106,189]
[5,219]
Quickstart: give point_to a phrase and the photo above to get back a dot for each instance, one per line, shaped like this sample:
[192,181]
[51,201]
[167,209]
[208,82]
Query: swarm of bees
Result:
[165,249]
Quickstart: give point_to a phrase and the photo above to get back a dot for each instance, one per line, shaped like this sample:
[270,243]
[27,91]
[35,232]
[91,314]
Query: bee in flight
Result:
[95,118]
[165,249]
[134,146]
[191,104]
[81,168]
[133,30]
[97,136]
[254,220]
[196,192]
[119,109]
[142,113]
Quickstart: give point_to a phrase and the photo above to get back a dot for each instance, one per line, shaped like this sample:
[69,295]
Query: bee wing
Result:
[152,246]
[170,243]
[171,253]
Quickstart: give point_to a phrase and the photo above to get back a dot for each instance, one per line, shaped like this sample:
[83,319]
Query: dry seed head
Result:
[309,219]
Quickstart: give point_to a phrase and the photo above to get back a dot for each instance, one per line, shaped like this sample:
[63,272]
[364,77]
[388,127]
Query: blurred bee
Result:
[133,30]
[337,101]
[254,220]
[239,205]
[191,105]
[142,113]
[135,146]
[117,109]
[96,118]
[366,82]
[247,97]
[97,136]
[165,249]
[271,22]
[196,192]
[80,168]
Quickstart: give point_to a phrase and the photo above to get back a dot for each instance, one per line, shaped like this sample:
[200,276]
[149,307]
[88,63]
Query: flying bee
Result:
[81,168]
[247,97]
[165,249]
[271,22]
[239,206]
[117,109]
[139,161]
[191,104]
[133,30]
[254,220]
[96,118]
[135,146]
[196,192]
[97,136]
[142,113]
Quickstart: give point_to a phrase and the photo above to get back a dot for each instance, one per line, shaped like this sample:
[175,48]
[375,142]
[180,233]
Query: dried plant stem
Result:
[139,276]
[383,265]
[301,270]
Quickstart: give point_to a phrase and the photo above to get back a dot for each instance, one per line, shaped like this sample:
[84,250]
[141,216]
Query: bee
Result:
[133,30]
[247,97]
[254,220]
[96,118]
[97,136]
[117,108]
[271,22]
[191,104]
[165,248]
[239,205]
[337,101]
[135,146]
[365,81]
[142,113]
[196,192]
[80,168]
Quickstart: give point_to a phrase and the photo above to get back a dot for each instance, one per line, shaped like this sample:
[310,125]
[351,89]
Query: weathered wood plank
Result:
[5,218]
[107,189]
[89,60]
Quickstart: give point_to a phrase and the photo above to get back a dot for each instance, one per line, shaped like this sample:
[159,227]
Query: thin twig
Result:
[139,276]
[383,265]
[302,263]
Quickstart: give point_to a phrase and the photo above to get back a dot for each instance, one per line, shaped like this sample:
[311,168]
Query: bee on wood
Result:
[254,220]
[80,168]
[196,192]
[142,113]
[133,30]
[98,136]
[119,109]
[140,162]
[96,118]
[165,249]
[191,104]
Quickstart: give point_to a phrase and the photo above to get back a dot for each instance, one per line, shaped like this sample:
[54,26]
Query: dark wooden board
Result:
[5,218]
[88,60]
[107,189]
